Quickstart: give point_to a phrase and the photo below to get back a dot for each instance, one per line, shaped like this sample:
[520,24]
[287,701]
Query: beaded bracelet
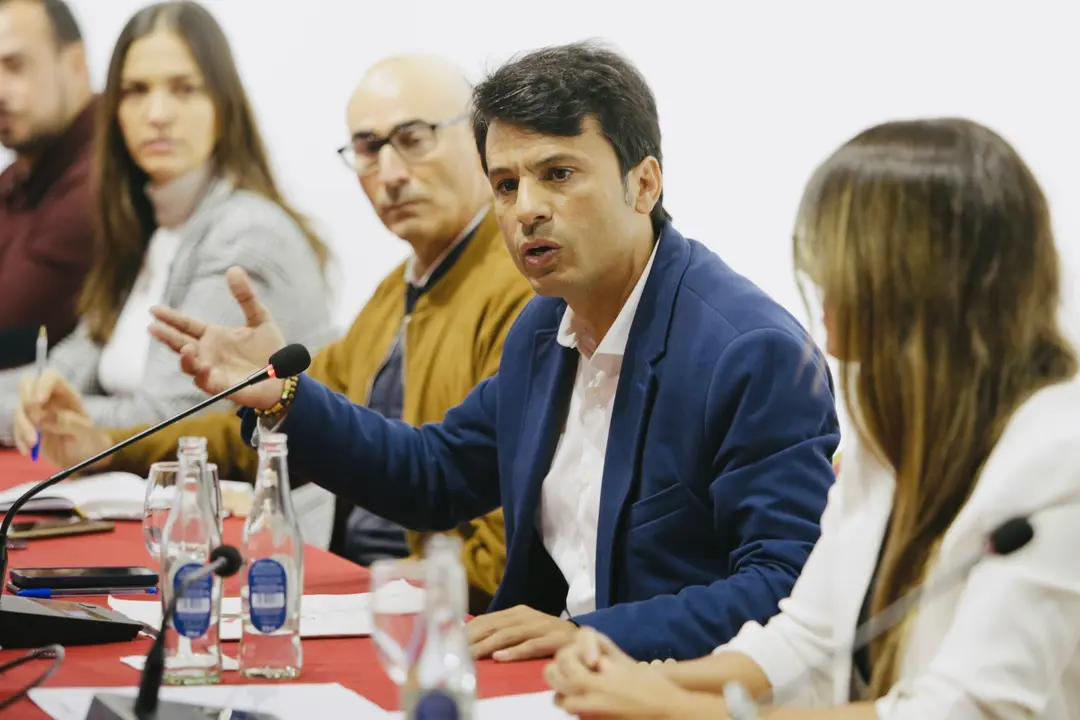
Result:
[288,392]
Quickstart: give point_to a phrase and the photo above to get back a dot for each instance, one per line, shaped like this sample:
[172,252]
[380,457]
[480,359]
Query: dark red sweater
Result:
[46,242]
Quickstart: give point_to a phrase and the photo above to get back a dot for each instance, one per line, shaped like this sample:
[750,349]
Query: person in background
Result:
[433,328]
[658,433]
[931,244]
[185,191]
[46,118]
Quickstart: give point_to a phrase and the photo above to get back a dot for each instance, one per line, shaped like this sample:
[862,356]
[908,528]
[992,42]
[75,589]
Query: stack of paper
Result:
[39,505]
[320,615]
[107,496]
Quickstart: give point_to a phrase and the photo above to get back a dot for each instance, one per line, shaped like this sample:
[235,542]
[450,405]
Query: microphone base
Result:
[120,707]
[34,623]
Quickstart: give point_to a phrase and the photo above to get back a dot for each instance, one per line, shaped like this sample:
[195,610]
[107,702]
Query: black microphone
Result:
[1005,539]
[285,363]
[225,561]
[30,623]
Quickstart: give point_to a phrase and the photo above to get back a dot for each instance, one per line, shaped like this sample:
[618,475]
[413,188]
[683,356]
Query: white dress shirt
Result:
[570,497]
[1004,642]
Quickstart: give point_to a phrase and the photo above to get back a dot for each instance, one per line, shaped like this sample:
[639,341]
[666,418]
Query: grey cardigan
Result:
[228,227]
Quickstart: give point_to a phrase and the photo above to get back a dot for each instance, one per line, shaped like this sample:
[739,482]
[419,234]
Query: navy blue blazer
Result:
[716,474]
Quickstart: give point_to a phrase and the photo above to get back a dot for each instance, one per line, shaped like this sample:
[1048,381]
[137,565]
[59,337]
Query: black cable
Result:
[53,651]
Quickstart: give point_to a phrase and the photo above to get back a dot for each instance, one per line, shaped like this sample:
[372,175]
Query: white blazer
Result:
[1004,642]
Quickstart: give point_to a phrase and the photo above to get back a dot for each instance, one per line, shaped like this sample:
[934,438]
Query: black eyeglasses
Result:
[412,140]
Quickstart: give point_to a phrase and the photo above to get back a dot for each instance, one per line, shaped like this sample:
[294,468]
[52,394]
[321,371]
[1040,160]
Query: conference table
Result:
[349,661]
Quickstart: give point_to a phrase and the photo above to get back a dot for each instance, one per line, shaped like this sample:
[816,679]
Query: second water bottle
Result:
[192,639]
[273,553]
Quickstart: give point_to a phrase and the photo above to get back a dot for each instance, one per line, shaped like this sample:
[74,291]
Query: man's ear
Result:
[644,186]
[74,58]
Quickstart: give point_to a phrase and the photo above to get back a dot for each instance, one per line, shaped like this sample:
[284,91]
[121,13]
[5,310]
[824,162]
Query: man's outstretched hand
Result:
[218,357]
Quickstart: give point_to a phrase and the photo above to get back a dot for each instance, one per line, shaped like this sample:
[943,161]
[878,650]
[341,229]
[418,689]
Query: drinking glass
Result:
[160,494]
[396,605]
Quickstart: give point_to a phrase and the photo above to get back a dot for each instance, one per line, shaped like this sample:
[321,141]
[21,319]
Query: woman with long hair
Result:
[184,192]
[930,244]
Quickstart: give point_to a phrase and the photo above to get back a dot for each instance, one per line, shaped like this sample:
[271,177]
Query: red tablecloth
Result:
[351,662]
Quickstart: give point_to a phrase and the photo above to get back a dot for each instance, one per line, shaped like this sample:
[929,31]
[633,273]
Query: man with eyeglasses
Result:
[433,329]
[418,166]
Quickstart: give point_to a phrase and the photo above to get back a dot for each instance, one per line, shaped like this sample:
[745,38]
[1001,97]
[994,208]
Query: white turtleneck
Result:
[123,359]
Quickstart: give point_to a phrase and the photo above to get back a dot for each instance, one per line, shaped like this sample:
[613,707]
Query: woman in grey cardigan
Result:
[185,191]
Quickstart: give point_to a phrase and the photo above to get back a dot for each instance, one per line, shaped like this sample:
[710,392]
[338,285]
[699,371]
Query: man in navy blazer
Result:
[660,431]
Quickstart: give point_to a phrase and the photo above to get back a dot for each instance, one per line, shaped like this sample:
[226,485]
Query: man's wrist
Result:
[272,413]
[270,396]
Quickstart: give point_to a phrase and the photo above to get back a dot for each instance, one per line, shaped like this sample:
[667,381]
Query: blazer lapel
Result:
[622,466]
[547,399]
[634,398]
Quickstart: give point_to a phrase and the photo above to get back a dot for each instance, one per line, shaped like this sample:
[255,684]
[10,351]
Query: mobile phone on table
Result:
[83,577]
[57,527]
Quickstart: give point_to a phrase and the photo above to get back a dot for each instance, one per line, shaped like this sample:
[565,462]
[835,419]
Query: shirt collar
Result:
[614,343]
[410,266]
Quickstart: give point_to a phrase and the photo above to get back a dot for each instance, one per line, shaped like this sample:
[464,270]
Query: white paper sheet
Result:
[320,615]
[288,701]
[105,496]
[533,706]
[138,662]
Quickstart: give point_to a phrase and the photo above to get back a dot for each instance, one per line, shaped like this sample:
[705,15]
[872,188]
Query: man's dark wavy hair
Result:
[552,90]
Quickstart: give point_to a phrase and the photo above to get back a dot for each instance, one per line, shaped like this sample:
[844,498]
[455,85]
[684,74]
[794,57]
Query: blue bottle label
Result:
[267,587]
[436,705]
[192,616]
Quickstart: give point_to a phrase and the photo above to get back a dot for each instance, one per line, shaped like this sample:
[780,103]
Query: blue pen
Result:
[40,355]
[46,593]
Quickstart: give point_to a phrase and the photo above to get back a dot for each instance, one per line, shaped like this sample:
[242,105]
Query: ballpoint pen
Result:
[46,593]
[40,354]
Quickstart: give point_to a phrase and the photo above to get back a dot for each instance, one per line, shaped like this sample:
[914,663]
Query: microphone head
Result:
[290,360]
[1011,535]
[232,557]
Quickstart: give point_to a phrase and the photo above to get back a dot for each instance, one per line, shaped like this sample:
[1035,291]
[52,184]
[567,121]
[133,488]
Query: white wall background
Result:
[751,96]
